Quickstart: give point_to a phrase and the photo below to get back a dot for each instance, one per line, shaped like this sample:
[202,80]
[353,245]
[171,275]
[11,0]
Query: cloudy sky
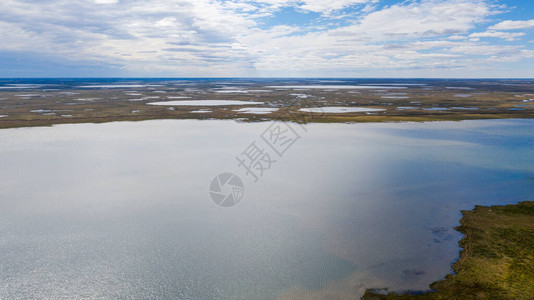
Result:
[266,38]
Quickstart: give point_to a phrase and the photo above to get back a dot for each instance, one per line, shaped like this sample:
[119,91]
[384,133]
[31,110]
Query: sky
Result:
[267,38]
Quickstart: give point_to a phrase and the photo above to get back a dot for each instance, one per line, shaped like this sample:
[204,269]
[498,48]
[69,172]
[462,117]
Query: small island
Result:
[497,260]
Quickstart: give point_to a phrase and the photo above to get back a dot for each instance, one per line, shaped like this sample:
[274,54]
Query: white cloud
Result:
[425,19]
[486,50]
[520,55]
[510,25]
[319,6]
[329,5]
[457,37]
[106,1]
[509,36]
[227,38]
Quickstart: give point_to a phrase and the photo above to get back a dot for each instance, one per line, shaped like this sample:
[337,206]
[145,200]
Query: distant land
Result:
[44,102]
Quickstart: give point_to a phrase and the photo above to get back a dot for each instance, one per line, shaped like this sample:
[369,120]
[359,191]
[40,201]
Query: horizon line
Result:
[346,78]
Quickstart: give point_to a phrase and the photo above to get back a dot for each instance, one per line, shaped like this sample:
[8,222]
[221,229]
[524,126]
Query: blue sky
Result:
[266,38]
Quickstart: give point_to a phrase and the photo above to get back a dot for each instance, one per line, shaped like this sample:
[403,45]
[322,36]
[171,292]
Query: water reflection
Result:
[123,209]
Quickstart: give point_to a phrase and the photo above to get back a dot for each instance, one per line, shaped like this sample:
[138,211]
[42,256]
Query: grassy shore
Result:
[497,260]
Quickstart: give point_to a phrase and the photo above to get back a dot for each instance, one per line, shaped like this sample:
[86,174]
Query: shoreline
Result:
[496,260]
[9,124]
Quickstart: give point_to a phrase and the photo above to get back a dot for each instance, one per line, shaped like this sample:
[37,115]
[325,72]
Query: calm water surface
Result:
[123,209]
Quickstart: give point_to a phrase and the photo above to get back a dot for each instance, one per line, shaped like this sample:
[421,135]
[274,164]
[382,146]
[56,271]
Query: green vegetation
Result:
[485,100]
[497,260]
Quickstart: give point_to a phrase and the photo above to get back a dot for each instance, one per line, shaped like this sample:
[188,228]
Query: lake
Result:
[123,210]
